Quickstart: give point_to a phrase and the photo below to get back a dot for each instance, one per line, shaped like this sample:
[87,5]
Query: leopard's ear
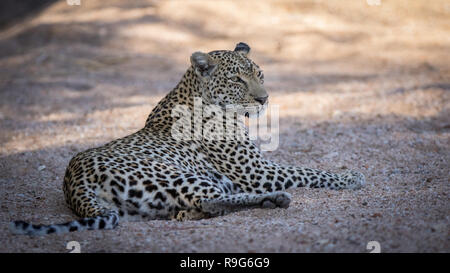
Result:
[203,64]
[242,48]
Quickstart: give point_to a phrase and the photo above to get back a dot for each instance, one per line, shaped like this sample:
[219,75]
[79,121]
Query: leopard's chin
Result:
[257,110]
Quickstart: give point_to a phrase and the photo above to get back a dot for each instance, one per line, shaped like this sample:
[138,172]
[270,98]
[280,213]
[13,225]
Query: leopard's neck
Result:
[187,98]
[161,116]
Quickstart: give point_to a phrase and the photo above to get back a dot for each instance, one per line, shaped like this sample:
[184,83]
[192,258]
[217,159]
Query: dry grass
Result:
[359,86]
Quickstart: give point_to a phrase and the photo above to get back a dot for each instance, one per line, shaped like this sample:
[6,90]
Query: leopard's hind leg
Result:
[227,203]
[95,215]
[106,219]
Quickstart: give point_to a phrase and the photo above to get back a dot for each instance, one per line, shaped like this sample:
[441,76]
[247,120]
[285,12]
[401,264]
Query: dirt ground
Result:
[364,87]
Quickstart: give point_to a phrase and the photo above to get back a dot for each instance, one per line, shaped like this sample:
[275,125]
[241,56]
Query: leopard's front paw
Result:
[277,200]
[190,214]
[352,180]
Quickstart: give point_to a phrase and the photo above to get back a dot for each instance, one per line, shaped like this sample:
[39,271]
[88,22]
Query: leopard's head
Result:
[229,79]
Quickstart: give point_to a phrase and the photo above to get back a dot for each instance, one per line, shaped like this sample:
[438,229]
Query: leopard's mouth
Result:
[246,109]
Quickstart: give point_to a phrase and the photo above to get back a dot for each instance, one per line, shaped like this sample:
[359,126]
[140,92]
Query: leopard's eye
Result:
[261,77]
[235,79]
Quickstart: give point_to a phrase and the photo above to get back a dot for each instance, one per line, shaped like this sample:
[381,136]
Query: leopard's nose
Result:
[262,100]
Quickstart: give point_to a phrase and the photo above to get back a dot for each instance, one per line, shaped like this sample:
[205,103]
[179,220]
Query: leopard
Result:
[156,173]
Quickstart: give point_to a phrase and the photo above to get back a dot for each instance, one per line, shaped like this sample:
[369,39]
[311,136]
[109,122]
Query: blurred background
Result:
[361,84]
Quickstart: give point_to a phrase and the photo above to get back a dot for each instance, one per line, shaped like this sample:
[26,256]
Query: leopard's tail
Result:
[107,220]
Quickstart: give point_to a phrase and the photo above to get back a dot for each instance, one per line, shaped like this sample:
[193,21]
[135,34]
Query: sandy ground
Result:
[359,87]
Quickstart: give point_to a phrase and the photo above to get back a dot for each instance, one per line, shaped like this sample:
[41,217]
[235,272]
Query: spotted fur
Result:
[152,175]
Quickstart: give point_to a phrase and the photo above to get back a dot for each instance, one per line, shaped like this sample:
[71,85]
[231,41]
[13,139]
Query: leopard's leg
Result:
[241,201]
[247,168]
[227,203]
[84,203]
[284,177]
